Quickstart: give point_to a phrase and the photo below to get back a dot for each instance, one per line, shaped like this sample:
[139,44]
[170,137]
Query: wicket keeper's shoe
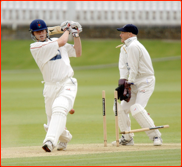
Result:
[48,146]
[157,141]
[124,142]
[61,146]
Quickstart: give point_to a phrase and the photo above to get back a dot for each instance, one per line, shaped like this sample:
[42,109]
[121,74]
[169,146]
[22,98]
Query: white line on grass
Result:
[90,67]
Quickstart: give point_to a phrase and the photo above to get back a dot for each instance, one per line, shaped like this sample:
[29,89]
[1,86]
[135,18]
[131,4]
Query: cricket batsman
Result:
[60,88]
[136,85]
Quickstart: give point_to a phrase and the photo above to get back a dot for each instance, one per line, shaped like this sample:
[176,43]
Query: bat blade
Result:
[55,30]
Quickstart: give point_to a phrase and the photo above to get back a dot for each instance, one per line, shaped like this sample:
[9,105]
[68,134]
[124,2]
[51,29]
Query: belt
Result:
[55,83]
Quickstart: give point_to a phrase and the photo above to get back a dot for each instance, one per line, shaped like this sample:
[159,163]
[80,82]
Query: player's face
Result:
[40,35]
[124,36]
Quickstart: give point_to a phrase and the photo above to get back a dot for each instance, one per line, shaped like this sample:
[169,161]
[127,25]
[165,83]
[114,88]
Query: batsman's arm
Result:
[63,39]
[55,30]
[78,46]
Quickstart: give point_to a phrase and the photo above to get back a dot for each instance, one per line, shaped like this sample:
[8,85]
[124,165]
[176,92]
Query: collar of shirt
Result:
[129,40]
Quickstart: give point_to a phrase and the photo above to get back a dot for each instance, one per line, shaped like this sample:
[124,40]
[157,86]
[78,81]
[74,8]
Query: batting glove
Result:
[76,25]
[75,32]
[66,26]
[76,28]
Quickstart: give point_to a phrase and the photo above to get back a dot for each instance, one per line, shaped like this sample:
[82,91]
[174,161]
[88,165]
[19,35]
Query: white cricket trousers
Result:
[140,96]
[59,100]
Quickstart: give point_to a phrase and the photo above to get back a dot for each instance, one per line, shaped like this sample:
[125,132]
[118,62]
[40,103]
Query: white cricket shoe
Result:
[124,142]
[157,141]
[48,146]
[61,146]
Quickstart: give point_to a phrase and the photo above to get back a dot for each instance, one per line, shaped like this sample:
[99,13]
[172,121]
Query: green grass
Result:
[16,55]
[141,158]
[23,113]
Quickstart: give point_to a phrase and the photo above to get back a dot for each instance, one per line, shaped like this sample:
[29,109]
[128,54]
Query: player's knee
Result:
[136,108]
[61,105]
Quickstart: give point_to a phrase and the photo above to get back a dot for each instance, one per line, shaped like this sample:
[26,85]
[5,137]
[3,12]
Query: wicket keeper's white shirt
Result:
[134,62]
[53,60]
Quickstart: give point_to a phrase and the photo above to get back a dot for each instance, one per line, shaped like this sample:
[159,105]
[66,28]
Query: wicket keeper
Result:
[136,85]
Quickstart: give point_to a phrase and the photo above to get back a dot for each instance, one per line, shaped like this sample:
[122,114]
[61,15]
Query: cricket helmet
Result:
[37,25]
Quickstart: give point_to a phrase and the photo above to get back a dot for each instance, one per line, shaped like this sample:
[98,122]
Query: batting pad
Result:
[144,120]
[65,136]
[124,122]
[46,127]
[56,127]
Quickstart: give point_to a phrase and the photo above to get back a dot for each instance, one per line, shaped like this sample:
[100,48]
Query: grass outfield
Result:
[128,158]
[23,115]
[16,55]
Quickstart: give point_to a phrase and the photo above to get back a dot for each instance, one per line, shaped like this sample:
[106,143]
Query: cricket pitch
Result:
[76,149]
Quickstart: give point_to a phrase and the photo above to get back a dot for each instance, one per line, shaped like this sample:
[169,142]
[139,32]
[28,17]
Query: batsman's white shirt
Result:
[135,63]
[51,58]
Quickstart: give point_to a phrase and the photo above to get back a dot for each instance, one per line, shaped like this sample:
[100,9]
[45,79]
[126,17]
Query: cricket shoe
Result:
[124,142]
[48,146]
[61,146]
[157,141]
